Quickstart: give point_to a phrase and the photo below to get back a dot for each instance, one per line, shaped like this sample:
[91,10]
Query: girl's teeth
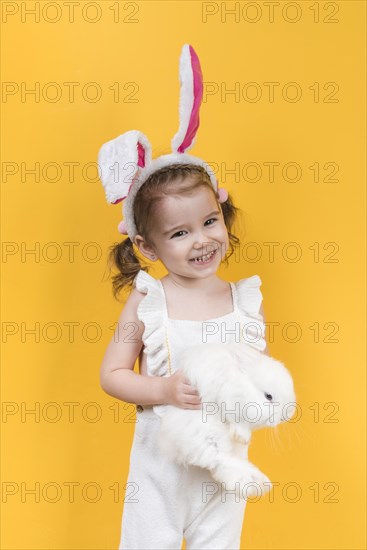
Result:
[204,258]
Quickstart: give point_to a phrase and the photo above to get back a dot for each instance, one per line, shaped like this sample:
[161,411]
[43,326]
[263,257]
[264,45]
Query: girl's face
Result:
[189,227]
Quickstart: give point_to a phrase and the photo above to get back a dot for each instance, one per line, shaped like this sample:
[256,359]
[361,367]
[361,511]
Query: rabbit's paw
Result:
[239,438]
[260,482]
[229,477]
[239,433]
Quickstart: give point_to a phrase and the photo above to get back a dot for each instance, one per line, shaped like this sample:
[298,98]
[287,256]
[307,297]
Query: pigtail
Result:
[122,257]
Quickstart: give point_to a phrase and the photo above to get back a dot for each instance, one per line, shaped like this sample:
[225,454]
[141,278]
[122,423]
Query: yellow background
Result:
[322,294]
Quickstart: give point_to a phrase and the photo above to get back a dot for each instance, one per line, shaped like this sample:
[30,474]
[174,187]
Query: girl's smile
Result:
[202,261]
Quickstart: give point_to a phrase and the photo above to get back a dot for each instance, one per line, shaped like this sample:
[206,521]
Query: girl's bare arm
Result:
[117,376]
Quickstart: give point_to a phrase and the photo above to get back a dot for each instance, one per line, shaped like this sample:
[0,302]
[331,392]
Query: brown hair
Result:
[169,180]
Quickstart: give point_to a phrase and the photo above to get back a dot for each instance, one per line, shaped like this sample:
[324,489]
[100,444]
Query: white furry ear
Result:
[244,355]
[191,93]
[119,161]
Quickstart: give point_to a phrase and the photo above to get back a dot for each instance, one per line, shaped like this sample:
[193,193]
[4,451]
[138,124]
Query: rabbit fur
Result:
[241,390]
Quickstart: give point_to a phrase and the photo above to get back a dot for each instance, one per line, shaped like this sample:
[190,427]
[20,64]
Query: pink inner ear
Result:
[141,155]
[141,163]
[198,94]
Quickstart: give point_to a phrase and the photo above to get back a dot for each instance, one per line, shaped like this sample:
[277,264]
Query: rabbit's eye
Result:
[268,396]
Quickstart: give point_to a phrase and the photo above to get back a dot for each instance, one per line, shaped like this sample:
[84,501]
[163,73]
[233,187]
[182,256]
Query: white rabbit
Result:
[241,389]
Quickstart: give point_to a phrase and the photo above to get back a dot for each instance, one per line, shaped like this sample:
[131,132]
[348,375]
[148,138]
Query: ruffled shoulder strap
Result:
[249,299]
[249,296]
[151,311]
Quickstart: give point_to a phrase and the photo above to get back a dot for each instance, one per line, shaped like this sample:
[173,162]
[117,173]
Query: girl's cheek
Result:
[222,233]
[175,246]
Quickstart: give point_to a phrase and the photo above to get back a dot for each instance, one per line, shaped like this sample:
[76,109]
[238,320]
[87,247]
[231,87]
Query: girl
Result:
[175,213]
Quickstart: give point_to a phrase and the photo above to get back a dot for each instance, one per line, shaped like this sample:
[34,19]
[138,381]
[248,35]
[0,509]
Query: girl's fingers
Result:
[193,400]
[195,406]
[194,393]
[190,389]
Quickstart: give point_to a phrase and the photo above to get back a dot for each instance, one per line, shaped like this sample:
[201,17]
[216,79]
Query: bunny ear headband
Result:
[126,162]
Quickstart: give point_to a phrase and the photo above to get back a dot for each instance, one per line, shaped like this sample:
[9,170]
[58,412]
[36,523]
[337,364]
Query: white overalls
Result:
[165,502]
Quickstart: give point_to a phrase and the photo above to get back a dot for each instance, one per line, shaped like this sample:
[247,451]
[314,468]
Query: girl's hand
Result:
[181,393]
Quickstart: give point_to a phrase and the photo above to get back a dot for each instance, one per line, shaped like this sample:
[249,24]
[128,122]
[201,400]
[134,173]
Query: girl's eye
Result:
[177,233]
[182,231]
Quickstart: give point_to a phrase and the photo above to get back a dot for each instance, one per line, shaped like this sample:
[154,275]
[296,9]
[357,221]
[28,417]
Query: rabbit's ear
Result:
[244,355]
[118,162]
[191,93]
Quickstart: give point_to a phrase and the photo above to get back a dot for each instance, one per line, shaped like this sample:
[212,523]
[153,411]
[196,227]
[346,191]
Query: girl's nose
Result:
[202,243]
[199,240]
